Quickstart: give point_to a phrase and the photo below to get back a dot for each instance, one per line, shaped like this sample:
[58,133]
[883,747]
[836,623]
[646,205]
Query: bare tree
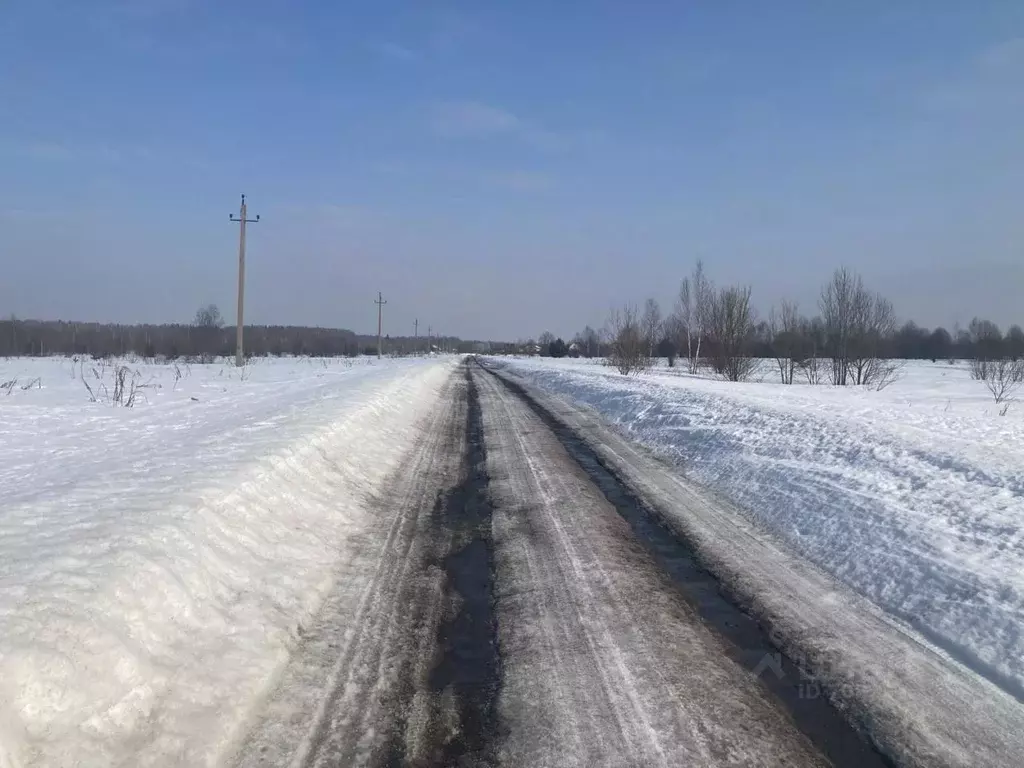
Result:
[590,342]
[671,333]
[651,325]
[875,322]
[208,317]
[857,324]
[206,341]
[695,295]
[731,323]
[986,341]
[628,349]
[839,307]
[1014,342]
[784,329]
[811,347]
[679,332]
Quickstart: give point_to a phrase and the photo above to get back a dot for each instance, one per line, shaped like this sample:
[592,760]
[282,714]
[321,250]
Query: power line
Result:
[242,221]
[379,301]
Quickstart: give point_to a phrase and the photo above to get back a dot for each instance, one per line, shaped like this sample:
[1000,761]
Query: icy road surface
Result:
[507,615]
[527,601]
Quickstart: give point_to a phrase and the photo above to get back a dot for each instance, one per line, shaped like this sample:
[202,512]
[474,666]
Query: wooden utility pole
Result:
[242,220]
[429,350]
[379,301]
[416,336]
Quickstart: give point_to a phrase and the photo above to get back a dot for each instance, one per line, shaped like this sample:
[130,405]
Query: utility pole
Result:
[239,350]
[379,301]
[416,336]
[429,329]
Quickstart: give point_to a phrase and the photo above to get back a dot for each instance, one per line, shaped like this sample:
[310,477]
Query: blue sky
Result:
[498,169]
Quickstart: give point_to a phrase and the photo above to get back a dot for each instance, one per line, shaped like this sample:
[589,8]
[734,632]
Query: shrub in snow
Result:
[629,352]
[1002,377]
[125,388]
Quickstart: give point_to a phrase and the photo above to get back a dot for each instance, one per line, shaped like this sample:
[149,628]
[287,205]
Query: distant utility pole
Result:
[242,220]
[379,301]
[429,329]
[415,336]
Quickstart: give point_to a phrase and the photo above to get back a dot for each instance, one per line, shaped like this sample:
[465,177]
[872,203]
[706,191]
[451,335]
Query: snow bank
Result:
[155,562]
[914,496]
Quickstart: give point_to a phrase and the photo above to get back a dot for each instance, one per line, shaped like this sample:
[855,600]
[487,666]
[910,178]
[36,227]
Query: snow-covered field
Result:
[914,495]
[155,561]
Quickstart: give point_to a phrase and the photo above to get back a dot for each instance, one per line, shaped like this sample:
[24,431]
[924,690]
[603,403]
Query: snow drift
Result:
[156,562]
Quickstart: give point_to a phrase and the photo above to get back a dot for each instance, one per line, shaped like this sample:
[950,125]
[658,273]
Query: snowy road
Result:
[516,605]
[428,562]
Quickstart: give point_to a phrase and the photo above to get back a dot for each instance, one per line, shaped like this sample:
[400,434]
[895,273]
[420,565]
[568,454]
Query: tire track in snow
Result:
[407,673]
[605,662]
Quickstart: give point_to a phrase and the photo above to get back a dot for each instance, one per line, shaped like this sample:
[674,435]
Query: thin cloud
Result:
[95,154]
[469,119]
[154,9]
[522,181]
[476,120]
[343,215]
[396,51]
[451,30]
[46,150]
[991,81]
[1003,58]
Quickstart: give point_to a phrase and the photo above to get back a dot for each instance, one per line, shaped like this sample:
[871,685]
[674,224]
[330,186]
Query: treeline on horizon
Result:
[982,338]
[205,338]
[720,322]
[719,325]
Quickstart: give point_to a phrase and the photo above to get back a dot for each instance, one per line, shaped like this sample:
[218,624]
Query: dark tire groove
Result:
[462,644]
[470,665]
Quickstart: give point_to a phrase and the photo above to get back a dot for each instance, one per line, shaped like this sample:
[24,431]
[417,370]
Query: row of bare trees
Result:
[718,322]
[850,341]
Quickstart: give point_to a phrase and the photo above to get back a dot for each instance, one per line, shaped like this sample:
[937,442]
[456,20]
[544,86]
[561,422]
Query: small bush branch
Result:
[629,352]
[1002,377]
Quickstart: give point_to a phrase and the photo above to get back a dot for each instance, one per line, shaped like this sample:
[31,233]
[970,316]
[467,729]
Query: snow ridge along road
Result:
[158,564]
[511,608]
